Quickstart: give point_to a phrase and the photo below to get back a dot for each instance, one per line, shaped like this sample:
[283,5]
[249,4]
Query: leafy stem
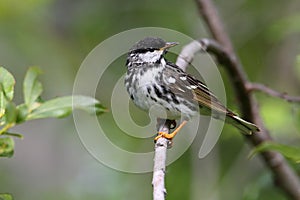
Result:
[33,107]
[5,128]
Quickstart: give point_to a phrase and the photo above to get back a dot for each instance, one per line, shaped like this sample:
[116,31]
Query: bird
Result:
[153,80]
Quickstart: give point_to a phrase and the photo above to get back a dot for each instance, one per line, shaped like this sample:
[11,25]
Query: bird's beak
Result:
[169,45]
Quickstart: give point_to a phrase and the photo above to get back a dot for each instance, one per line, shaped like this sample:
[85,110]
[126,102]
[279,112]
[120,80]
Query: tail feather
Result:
[245,127]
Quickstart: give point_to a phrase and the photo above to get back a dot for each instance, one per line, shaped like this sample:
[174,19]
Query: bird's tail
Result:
[244,126]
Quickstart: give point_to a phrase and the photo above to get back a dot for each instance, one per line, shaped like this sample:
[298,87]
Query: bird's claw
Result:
[169,136]
[166,135]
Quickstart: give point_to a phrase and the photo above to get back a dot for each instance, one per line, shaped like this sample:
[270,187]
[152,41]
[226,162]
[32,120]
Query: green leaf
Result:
[62,106]
[32,88]
[6,147]
[7,83]
[290,152]
[10,113]
[2,103]
[22,111]
[6,197]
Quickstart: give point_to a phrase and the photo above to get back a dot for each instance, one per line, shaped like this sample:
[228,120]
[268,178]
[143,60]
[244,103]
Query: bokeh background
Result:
[56,35]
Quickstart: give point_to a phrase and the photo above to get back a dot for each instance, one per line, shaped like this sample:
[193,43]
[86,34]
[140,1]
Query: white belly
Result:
[144,96]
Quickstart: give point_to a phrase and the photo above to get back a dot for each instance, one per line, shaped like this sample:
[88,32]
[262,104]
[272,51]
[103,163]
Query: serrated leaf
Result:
[32,88]
[6,147]
[7,83]
[62,106]
[6,196]
[290,152]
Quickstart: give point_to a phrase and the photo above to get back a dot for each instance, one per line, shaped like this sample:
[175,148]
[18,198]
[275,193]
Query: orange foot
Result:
[170,136]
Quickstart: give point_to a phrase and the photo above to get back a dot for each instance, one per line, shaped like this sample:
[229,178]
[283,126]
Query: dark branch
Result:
[271,92]
[285,177]
[211,17]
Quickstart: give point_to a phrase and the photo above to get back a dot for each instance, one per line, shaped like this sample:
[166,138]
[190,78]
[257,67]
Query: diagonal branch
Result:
[284,176]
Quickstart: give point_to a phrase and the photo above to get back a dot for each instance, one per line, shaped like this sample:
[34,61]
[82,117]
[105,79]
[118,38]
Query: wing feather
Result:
[190,88]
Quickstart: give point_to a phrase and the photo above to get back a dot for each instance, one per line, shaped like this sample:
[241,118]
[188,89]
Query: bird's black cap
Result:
[149,43]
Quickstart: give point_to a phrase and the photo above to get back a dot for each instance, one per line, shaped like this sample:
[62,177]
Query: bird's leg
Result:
[170,136]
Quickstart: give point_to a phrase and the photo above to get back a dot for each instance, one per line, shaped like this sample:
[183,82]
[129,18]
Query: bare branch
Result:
[284,176]
[187,54]
[271,92]
[211,17]
[160,156]
[158,181]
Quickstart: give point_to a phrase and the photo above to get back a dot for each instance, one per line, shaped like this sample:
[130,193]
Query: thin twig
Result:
[271,92]
[158,181]
[160,156]
[284,176]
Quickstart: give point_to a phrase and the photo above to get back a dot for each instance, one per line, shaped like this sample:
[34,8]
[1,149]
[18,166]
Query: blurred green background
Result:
[51,163]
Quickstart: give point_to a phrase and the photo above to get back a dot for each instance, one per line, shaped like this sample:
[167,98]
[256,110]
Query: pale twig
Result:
[160,156]
[262,88]
[158,181]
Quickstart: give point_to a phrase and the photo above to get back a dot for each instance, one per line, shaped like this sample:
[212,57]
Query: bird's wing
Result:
[192,89]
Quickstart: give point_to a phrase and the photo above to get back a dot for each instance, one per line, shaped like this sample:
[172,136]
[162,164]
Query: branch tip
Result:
[263,88]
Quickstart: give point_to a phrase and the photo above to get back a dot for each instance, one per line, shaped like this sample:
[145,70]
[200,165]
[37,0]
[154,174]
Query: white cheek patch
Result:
[150,56]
